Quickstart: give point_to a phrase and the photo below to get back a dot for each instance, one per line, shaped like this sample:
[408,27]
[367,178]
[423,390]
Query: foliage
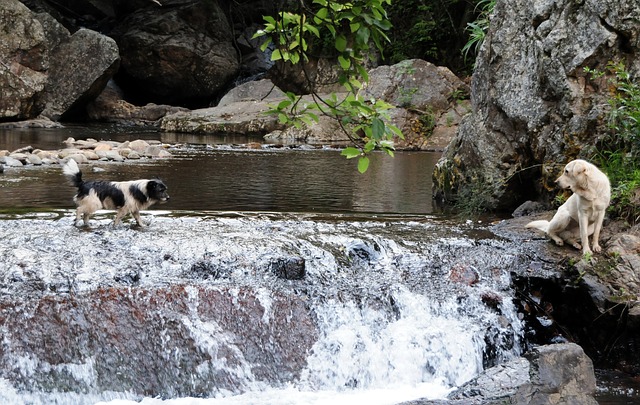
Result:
[475,199]
[619,152]
[478,28]
[352,27]
[433,30]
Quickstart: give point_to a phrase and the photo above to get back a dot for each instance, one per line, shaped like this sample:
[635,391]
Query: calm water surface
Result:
[214,173]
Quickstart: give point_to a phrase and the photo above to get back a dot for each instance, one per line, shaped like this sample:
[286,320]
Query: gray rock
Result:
[552,374]
[34,160]
[10,162]
[73,77]
[252,91]
[23,72]
[47,70]
[414,84]
[247,117]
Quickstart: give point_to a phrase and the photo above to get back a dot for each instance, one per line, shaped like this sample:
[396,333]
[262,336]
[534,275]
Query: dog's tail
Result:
[72,171]
[540,225]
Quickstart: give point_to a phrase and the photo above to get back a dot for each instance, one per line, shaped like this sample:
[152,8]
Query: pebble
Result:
[83,151]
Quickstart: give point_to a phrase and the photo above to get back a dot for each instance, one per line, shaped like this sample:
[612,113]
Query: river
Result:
[195,309]
[221,173]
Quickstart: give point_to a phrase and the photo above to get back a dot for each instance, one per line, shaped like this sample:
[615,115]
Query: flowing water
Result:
[273,276]
[195,305]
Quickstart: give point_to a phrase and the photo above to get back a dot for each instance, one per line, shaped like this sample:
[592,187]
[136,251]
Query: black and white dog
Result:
[126,197]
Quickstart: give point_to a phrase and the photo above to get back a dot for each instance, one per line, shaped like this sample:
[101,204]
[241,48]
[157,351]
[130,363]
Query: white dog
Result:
[582,214]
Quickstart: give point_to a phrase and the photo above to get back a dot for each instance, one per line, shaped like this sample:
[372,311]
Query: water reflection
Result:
[227,178]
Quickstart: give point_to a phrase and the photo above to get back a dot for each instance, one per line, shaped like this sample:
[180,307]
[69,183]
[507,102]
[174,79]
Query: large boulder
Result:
[241,111]
[428,101]
[534,107]
[74,78]
[45,69]
[553,374]
[24,60]
[177,53]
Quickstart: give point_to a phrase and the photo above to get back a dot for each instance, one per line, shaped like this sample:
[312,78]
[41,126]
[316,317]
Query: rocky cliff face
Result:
[55,58]
[534,107]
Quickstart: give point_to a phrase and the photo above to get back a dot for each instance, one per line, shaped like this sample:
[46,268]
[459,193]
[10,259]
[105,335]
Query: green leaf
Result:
[377,126]
[321,15]
[345,63]
[362,36]
[282,118]
[265,44]
[363,164]
[284,104]
[363,73]
[341,43]
[351,152]
[369,146]
[276,55]
[313,29]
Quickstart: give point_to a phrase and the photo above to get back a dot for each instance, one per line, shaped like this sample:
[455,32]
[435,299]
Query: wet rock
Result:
[32,123]
[155,152]
[529,208]
[553,374]
[207,268]
[290,268]
[464,274]
[128,278]
[130,346]
[10,161]
[83,151]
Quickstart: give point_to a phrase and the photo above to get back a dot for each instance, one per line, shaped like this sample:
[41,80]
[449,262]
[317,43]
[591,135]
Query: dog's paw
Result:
[559,242]
[576,245]
[597,248]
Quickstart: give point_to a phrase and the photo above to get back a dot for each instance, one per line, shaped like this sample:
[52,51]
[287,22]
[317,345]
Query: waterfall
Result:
[387,309]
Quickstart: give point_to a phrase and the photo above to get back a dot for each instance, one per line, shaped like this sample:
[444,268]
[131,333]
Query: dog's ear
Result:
[582,174]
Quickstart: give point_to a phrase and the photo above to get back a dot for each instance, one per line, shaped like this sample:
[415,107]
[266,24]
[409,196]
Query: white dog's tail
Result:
[540,225]
[72,171]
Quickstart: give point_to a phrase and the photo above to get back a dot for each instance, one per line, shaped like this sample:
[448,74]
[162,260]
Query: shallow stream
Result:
[273,276]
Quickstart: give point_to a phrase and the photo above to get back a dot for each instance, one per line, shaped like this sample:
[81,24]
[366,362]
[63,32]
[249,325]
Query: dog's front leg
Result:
[119,215]
[596,231]
[583,220]
[136,215]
